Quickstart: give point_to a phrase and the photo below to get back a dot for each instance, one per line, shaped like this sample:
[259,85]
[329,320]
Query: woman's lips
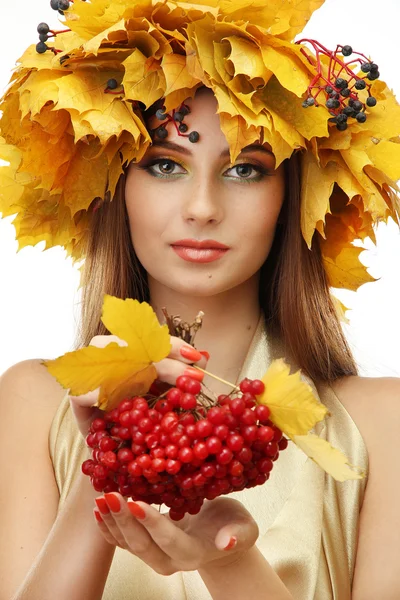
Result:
[200,252]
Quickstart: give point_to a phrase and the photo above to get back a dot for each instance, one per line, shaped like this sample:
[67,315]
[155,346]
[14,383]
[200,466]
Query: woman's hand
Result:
[181,356]
[220,533]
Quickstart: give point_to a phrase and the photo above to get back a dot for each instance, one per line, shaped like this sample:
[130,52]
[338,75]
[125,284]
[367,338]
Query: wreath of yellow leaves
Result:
[66,141]
[125,371]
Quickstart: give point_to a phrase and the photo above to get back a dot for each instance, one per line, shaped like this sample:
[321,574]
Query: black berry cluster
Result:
[339,89]
[60,5]
[177,118]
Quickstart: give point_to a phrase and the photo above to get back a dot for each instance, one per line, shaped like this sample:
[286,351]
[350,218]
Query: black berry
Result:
[43,28]
[334,95]
[185,110]
[374,67]
[162,132]
[160,114]
[360,84]
[178,116]
[54,4]
[112,84]
[41,47]
[361,117]
[349,111]
[341,126]
[372,75]
[183,127]
[342,118]
[366,67]
[63,4]
[341,83]
[328,89]
[194,137]
[345,93]
[371,101]
[43,37]
[357,105]
[310,101]
[347,50]
[332,103]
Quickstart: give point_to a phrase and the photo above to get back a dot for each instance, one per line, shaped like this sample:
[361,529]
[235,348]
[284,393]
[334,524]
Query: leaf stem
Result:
[231,385]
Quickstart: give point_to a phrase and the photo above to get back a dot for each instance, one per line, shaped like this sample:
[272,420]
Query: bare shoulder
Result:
[374,405]
[28,384]
[371,400]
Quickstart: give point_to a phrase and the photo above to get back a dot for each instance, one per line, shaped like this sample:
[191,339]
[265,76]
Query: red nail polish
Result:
[113,502]
[205,354]
[190,353]
[102,506]
[98,516]
[136,510]
[232,543]
[194,374]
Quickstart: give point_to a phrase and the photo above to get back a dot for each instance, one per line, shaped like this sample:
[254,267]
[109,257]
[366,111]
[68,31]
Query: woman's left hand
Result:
[221,531]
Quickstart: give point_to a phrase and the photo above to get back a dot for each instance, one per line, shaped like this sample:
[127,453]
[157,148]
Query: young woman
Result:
[191,229]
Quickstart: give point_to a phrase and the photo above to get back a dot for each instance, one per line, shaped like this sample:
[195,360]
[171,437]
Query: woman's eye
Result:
[247,171]
[165,167]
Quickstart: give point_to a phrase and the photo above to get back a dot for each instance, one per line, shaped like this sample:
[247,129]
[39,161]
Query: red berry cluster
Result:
[178,451]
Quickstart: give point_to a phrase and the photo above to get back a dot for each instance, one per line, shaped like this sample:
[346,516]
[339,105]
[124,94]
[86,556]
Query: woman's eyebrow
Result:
[226,152]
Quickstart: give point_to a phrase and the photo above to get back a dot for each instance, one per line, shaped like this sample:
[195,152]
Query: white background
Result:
[39,298]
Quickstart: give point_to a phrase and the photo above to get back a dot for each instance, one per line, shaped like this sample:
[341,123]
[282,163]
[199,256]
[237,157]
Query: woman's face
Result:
[182,193]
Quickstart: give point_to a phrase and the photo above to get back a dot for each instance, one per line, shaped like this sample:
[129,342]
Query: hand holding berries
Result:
[181,356]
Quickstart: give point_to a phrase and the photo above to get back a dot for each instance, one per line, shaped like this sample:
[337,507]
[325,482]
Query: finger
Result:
[104,529]
[128,529]
[185,353]
[169,369]
[170,538]
[238,536]
[84,410]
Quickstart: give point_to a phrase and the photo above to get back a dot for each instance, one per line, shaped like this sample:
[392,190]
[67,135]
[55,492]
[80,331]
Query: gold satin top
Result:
[308,522]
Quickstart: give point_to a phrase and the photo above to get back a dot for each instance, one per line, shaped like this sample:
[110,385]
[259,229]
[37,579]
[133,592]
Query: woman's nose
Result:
[203,203]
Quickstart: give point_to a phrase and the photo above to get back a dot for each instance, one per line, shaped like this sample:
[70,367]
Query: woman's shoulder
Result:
[372,402]
[28,388]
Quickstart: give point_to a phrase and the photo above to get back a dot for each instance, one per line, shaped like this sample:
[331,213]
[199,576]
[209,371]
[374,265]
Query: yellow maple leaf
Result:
[330,459]
[117,371]
[294,408]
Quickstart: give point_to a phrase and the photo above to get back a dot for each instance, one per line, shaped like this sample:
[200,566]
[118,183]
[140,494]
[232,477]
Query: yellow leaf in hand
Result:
[117,371]
[294,408]
[330,459]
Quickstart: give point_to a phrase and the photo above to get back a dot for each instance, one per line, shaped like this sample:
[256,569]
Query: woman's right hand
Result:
[168,369]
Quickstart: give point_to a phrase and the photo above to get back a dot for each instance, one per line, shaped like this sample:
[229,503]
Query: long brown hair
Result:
[294,291]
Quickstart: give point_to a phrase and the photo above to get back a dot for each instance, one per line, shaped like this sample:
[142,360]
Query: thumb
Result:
[84,410]
[237,536]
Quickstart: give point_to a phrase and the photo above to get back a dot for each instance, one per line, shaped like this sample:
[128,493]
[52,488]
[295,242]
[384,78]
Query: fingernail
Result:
[136,510]
[232,543]
[98,516]
[102,506]
[113,502]
[205,354]
[194,374]
[190,353]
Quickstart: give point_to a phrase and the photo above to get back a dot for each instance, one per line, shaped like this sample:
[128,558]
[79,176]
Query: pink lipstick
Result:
[203,251]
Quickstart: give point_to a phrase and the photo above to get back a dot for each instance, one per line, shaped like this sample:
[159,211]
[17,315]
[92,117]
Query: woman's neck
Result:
[230,321]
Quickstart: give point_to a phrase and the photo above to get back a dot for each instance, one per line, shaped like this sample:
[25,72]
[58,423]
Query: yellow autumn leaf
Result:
[294,408]
[346,270]
[237,134]
[330,459]
[117,371]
